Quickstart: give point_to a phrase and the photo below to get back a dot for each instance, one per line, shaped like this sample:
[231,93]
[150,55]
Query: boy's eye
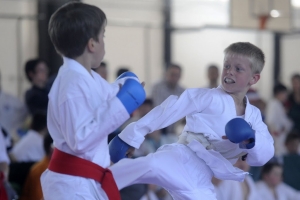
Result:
[238,69]
[226,66]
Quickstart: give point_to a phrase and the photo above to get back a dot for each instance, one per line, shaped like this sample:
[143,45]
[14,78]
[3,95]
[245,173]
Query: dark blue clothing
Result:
[36,99]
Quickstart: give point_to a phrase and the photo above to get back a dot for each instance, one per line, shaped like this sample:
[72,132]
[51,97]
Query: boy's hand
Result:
[129,152]
[243,142]
[238,131]
[118,149]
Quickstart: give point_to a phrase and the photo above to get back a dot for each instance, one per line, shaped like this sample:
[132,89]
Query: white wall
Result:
[18,42]
[195,13]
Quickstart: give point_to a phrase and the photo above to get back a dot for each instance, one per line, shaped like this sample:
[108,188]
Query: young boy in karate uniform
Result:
[185,168]
[83,108]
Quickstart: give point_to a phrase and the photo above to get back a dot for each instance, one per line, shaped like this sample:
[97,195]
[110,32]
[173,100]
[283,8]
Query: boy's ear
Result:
[254,79]
[91,45]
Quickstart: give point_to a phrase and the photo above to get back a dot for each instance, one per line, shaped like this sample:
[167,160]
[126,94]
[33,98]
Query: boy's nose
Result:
[229,70]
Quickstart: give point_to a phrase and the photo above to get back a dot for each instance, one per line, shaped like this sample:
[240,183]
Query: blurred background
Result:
[146,35]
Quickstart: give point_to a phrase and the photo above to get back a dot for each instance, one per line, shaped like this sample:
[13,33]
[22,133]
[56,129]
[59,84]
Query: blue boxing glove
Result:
[238,130]
[117,149]
[132,95]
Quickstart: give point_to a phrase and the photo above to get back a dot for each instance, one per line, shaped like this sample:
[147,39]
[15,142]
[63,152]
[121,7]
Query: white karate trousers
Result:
[174,167]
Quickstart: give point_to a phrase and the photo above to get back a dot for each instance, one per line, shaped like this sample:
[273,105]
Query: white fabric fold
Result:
[220,166]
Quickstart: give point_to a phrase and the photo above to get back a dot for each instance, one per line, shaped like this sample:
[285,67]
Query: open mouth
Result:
[228,80]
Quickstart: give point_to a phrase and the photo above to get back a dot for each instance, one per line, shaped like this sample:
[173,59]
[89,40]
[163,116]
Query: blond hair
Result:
[252,52]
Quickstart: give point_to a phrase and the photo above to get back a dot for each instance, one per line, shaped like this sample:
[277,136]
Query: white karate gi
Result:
[185,169]
[30,148]
[283,192]
[83,109]
[232,190]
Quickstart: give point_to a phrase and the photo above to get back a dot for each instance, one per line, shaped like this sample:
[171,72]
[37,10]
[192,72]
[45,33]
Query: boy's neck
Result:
[240,104]
[85,62]
[239,100]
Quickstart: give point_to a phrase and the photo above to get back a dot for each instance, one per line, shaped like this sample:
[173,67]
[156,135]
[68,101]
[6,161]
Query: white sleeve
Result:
[82,126]
[263,150]
[3,152]
[171,110]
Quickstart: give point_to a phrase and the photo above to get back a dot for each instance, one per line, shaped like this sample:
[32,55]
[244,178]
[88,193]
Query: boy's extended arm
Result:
[171,110]
[263,150]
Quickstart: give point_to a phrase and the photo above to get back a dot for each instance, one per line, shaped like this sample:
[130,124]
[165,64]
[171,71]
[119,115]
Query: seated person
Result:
[231,190]
[30,147]
[291,160]
[271,186]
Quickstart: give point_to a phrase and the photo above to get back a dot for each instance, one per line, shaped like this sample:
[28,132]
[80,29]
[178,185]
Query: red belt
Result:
[3,194]
[65,163]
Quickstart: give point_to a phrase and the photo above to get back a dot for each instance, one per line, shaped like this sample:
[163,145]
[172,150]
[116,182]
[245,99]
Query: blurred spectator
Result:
[32,189]
[169,86]
[30,147]
[153,141]
[13,112]
[4,159]
[277,119]
[102,70]
[36,97]
[121,71]
[6,191]
[257,101]
[213,76]
[294,102]
[271,186]
[291,161]
[231,190]
[133,192]
[139,113]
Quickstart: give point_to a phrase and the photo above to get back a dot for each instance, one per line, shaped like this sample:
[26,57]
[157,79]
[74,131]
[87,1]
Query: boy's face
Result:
[99,49]
[237,76]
